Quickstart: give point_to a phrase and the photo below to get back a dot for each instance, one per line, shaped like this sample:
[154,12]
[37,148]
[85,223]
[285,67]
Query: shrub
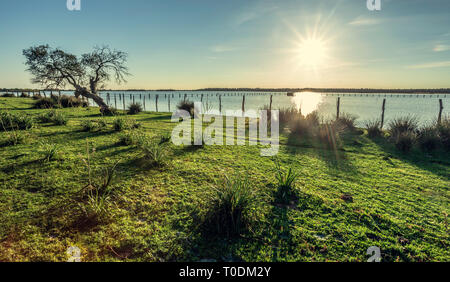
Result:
[44,103]
[187,106]
[24,95]
[134,108]
[36,97]
[286,180]
[46,117]
[59,119]
[404,141]
[133,124]
[287,115]
[109,111]
[88,125]
[129,138]
[444,132]
[428,138]
[10,121]
[154,153]
[15,137]
[345,122]
[305,126]
[119,124]
[230,211]
[70,101]
[402,125]
[374,128]
[8,95]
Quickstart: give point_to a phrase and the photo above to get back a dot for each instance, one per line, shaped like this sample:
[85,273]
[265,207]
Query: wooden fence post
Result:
[144,103]
[441,108]
[382,113]
[243,104]
[270,105]
[123,101]
[156,98]
[168,102]
[115,101]
[338,105]
[220,103]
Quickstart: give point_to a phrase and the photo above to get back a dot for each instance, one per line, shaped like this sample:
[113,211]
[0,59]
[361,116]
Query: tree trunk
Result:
[96,98]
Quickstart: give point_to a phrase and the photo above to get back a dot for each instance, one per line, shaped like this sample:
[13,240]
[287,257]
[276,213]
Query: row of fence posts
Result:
[132,97]
[383,109]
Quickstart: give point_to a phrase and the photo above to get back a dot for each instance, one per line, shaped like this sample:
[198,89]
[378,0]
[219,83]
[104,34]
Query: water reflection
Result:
[307,102]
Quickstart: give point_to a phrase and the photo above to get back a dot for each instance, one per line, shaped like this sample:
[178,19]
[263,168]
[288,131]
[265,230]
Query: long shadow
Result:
[332,153]
[436,162]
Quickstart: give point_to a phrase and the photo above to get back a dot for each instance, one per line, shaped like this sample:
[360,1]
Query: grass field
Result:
[400,202]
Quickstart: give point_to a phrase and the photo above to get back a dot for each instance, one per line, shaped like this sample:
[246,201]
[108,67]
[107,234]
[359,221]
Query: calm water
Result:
[364,106]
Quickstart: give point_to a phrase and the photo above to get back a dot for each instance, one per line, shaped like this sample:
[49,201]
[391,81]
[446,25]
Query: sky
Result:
[191,44]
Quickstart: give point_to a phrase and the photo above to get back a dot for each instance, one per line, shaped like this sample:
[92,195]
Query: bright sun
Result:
[312,52]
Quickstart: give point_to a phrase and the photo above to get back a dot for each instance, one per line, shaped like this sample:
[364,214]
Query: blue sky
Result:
[188,44]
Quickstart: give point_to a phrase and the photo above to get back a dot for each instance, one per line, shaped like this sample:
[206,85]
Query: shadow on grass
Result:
[436,162]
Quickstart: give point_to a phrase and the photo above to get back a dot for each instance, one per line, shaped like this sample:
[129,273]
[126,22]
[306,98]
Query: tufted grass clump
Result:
[154,154]
[9,121]
[373,128]
[134,108]
[49,151]
[286,184]
[229,215]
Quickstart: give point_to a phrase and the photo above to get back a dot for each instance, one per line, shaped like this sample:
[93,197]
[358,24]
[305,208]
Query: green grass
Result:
[400,201]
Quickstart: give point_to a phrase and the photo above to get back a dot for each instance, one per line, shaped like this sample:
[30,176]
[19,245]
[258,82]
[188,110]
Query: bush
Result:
[286,180]
[70,101]
[10,121]
[154,153]
[46,117]
[134,108]
[374,128]
[345,122]
[187,106]
[402,125]
[110,111]
[24,95]
[88,125]
[119,124]
[15,137]
[230,211]
[404,141]
[428,138]
[134,138]
[305,126]
[59,119]
[287,115]
[444,133]
[8,95]
[44,103]
[36,97]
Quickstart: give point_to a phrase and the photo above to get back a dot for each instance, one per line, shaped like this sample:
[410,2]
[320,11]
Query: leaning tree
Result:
[87,74]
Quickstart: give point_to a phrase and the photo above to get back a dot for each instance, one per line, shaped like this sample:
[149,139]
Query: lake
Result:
[365,106]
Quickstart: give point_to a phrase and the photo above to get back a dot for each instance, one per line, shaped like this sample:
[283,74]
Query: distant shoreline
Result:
[321,90]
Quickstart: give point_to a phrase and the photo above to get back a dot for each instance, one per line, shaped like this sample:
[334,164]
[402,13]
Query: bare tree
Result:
[54,68]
